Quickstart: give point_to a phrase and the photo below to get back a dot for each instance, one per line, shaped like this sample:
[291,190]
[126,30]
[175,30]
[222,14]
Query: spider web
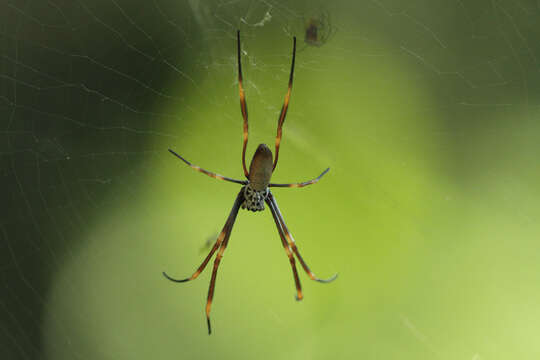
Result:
[427,112]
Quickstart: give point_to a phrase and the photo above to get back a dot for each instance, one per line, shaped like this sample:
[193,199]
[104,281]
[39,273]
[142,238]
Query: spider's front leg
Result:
[221,243]
[271,201]
[288,250]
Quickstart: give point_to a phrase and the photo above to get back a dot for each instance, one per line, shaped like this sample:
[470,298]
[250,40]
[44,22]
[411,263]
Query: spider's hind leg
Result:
[243,105]
[285,106]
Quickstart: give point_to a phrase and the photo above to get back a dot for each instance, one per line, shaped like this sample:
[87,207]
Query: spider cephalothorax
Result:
[254,194]
[253,199]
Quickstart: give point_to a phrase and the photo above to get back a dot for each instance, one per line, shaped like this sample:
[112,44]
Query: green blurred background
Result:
[426,112]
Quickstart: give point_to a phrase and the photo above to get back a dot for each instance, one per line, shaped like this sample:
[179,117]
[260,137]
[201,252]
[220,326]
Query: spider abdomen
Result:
[260,169]
[254,199]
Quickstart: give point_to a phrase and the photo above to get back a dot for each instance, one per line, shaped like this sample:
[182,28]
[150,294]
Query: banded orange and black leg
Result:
[285,106]
[288,250]
[292,243]
[243,105]
[302,184]
[206,172]
[221,243]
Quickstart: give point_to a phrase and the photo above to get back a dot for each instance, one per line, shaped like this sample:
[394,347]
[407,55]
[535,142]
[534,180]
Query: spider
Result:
[254,194]
[318,29]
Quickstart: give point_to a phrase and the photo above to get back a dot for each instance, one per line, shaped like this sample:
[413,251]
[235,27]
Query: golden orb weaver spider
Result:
[254,193]
[318,29]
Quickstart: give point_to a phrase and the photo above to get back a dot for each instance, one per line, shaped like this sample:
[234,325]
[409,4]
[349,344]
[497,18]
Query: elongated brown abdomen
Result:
[260,169]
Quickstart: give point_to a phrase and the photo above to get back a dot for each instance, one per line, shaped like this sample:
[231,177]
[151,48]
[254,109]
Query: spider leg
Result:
[221,243]
[292,243]
[243,105]
[221,236]
[299,295]
[285,106]
[209,173]
[302,184]
[214,274]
